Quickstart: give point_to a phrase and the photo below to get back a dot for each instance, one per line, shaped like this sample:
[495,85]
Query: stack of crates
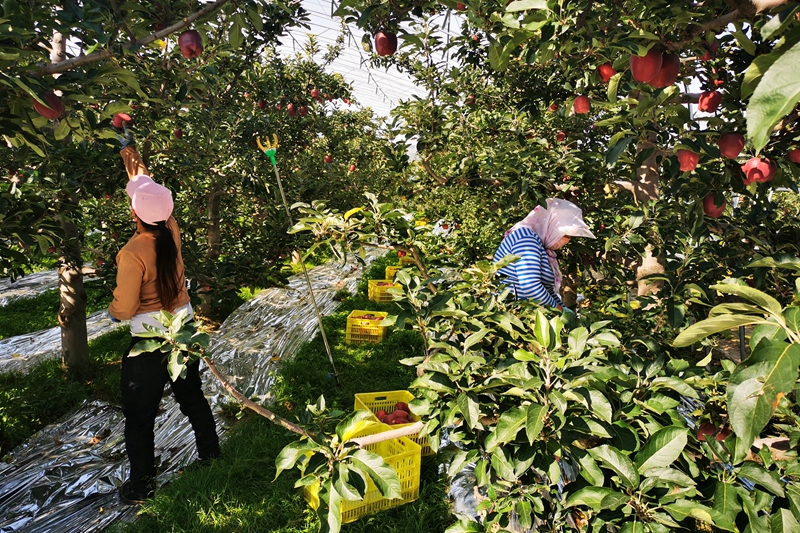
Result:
[363,328]
[402,454]
[378,290]
[375,401]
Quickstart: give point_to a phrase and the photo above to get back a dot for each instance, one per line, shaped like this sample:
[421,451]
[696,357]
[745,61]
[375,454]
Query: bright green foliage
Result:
[180,339]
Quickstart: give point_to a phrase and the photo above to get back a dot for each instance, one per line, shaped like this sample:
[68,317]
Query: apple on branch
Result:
[710,208]
[191,44]
[606,71]
[53,109]
[582,104]
[644,68]
[121,119]
[688,160]
[385,43]
[731,144]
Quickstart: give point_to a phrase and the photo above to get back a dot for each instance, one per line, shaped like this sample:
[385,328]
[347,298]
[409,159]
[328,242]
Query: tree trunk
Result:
[72,311]
[646,189]
[213,239]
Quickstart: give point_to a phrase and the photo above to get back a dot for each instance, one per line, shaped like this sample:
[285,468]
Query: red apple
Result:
[688,160]
[794,155]
[711,50]
[352,168]
[328,159]
[553,107]
[291,110]
[315,94]
[278,107]
[582,104]
[560,136]
[705,428]
[469,100]
[380,413]
[606,71]
[177,133]
[121,119]
[401,253]
[445,226]
[709,101]
[385,43]
[731,144]
[191,44]
[644,68]
[403,406]
[53,109]
[758,170]
[262,104]
[50,249]
[303,110]
[100,262]
[670,68]
[710,208]
[461,7]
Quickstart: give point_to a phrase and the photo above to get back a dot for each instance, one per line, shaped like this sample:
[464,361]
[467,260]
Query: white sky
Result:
[376,88]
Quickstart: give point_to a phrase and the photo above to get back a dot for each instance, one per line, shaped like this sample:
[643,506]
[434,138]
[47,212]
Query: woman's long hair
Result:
[166,264]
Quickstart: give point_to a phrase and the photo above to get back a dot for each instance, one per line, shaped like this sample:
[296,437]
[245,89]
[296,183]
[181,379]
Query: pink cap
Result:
[151,201]
[135,182]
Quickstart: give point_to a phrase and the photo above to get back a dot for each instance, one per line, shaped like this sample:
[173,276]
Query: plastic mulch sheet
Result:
[65,478]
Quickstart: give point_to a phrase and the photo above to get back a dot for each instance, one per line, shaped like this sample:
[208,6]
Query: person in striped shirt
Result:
[535,239]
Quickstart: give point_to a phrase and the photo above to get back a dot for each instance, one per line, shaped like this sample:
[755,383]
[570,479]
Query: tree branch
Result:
[63,66]
[416,427]
[250,404]
[427,166]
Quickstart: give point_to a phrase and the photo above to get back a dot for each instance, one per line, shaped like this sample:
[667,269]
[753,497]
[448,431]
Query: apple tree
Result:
[67,69]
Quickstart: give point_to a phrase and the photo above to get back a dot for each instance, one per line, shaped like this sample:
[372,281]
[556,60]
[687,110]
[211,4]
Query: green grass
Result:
[27,315]
[29,402]
[237,493]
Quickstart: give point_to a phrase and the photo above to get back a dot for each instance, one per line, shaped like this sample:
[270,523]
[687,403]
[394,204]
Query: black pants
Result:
[143,380]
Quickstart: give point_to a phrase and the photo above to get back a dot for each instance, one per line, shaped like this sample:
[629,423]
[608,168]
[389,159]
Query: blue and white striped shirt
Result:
[531,276]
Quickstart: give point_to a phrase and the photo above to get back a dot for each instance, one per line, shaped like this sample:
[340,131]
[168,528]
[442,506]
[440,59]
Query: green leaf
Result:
[469,409]
[774,97]
[498,58]
[777,24]
[756,70]
[757,474]
[663,448]
[700,330]
[508,426]
[542,330]
[676,384]
[726,501]
[759,298]
[743,40]
[290,453]
[355,422]
[754,387]
[524,5]
[331,518]
[383,476]
[577,341]
[615,151]
[62,130]
[598,498]
[148,345]
[594,401]
[784,522]
[534,421]
[612,458]
[683,509]
[350,483]
[474,339]
[176,365]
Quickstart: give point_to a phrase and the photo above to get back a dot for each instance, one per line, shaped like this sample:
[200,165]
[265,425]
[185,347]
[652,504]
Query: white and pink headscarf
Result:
[559,218]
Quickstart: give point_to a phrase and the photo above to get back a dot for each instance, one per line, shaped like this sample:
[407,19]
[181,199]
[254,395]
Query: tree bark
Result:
[213,239]
[72,309]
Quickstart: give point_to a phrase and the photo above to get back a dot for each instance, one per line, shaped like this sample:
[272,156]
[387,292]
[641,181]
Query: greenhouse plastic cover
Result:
[66,477]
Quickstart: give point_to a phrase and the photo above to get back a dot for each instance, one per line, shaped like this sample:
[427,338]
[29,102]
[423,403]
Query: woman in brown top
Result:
[150,277]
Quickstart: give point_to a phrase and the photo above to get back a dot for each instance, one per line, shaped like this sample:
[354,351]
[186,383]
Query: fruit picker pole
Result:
[270,151]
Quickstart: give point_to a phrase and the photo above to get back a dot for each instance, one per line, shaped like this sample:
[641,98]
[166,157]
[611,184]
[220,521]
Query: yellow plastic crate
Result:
[363,328]
[421,222]
[407,260]
[375,401]
[391,270]
[378,290]
[403,455]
